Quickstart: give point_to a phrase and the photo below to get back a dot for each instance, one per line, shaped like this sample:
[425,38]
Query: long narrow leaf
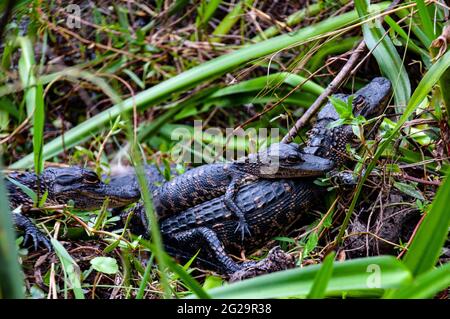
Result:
[425,286]
[70,267]
[367,275]
[38,129]
[386,54]
[320,284]
[426,247]
[27,64]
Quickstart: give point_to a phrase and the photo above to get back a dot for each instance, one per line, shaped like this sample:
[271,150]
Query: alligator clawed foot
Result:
[37,236]
[276,260]
[243,228]
[32,232]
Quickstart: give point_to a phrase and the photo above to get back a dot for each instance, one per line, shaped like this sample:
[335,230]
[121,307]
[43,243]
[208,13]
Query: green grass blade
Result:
[27,64]
[38,129]
[71,269]
[322,278]
[190,282]
[188,79]
[330,48]
[426,285]
[426,246]
[193,285]
[427,22]
[411,44]
[366,275]
[418,32]
[145,278]
[11,279]
[386,54]
[230,20]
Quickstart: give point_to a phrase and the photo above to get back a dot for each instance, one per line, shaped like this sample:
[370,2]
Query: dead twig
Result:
[331,88]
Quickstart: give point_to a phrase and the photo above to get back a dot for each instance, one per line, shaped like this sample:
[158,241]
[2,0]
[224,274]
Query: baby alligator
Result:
[270,207]
[209,181]
[59,186]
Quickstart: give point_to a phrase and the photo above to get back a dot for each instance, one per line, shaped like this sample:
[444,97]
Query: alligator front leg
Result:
[205,238]
[30,230]
[230,194]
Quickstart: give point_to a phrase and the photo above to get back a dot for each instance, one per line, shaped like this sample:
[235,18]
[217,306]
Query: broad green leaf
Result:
[212,282]
[106,265]
[344,109]
[409,189]
[24,188]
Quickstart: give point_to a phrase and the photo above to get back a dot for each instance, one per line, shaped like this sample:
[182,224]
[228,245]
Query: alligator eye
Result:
[294,159]
[90,177]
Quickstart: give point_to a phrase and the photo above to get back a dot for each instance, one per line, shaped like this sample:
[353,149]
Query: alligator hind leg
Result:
[201,237]
[30,230]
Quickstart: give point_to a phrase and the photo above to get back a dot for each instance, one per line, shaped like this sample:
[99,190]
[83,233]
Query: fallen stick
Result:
[331,88]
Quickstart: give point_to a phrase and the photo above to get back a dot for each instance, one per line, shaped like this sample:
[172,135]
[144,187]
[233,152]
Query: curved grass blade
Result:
[425,19]
[195,287]
[230,20]
[320,284]
[386,54]
[426,246]
[426,285]
[368,276]
[262,82]
[72,272]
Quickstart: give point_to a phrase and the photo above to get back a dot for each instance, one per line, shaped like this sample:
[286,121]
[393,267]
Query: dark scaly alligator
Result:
[209,181]
[88,192]
[270,207]
[59,186]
